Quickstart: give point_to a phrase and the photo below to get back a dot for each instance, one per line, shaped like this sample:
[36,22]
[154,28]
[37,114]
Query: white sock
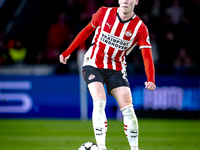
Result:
[130,125]
[99,121]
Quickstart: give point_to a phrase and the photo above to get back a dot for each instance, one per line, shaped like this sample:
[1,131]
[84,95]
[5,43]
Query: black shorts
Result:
[110,77]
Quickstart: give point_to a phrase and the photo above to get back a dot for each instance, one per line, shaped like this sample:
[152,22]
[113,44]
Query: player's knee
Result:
[99,104]
[126,100]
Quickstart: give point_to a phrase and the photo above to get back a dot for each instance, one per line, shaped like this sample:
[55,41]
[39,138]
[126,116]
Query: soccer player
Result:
[118,31]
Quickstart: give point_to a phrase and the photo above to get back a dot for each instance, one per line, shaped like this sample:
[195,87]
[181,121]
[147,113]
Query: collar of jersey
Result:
[125,20]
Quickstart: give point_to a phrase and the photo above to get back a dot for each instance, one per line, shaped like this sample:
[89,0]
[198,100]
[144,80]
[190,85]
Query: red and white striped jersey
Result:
[114,39]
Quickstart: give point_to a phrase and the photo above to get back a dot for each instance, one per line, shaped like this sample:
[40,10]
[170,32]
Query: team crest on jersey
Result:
[128,34]
[91,77]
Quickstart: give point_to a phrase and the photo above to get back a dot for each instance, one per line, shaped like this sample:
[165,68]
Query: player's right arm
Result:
[81,37]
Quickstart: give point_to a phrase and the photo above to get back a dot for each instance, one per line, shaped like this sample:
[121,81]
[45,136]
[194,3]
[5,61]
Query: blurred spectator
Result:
[156,9]
[57,38]
[3,55]
[90,9]
[156,16]
[169,48]
[17,51]
[175,12]
[145,18]
[183,59]
[73,9]
[183,62]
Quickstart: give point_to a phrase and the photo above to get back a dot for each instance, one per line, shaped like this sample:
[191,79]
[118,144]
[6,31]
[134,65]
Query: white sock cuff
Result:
[99,99]
[131,105]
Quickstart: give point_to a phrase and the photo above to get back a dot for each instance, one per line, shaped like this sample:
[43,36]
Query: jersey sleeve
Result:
[148,64]
[143,37]
[79,39]
[96,18]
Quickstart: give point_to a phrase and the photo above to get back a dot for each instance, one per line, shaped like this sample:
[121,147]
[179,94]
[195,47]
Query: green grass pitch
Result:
[39,134]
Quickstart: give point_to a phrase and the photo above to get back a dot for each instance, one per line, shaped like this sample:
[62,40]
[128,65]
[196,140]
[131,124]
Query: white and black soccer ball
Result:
[88,146]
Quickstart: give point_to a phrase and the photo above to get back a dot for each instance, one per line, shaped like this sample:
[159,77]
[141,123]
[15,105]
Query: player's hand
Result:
[63,60]
[150,85]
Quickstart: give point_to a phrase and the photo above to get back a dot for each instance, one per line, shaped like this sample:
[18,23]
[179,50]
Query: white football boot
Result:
[134,148]
[102,147]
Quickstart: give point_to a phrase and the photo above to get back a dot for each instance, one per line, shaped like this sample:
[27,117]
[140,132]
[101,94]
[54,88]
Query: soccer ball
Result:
[88,146]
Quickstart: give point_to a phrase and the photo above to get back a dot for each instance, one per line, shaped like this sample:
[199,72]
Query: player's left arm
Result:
[145,46]
[149,68]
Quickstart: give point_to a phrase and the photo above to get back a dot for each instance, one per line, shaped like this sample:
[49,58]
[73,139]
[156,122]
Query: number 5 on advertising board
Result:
[25,99]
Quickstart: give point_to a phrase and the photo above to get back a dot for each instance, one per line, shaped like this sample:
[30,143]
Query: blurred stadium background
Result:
[34,85]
